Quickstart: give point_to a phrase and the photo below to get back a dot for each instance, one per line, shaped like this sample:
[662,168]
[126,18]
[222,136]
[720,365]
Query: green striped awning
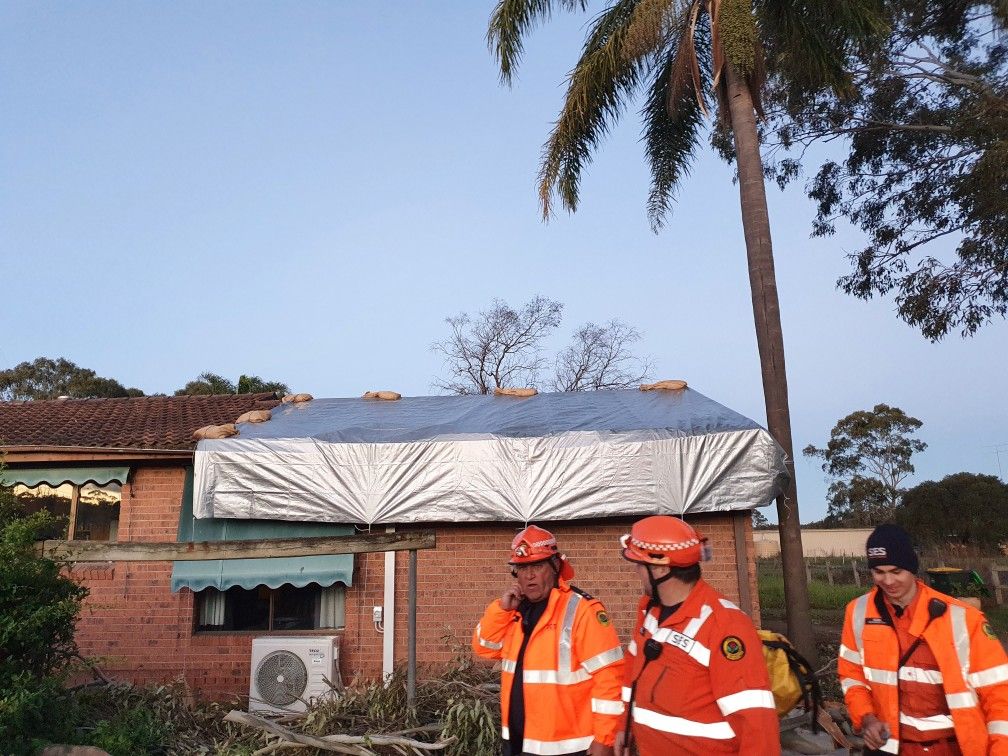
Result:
[56,476]
[249,573]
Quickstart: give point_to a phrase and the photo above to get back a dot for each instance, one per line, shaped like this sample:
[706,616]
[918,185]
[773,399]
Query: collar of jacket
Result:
[918,607]
[701,594]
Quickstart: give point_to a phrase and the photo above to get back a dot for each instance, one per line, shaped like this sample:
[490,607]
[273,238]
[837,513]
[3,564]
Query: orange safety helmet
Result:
[535,544]
[664,540]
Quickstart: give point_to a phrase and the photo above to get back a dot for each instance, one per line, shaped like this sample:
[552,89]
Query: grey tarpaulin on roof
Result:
[486,458]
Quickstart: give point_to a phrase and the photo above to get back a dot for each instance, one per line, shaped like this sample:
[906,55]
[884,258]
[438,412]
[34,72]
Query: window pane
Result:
[98,512]
[54,500]
[247,610]
[332,606]
[211,606]
[294,608]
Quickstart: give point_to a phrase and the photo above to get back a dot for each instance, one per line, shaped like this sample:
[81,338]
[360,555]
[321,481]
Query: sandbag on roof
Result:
[491,458]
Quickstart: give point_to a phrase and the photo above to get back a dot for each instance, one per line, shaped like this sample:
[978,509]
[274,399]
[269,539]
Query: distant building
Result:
[816,542]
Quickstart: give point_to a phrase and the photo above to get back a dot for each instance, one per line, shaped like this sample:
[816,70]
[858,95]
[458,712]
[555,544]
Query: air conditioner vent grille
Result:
[281,678]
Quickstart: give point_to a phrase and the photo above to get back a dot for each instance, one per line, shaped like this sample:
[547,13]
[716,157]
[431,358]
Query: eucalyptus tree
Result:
[686,58]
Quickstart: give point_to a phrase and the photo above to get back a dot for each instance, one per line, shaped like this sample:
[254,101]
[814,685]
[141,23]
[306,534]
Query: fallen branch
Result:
[356,745]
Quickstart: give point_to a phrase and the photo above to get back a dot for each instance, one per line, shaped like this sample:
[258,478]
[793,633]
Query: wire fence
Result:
[841,570]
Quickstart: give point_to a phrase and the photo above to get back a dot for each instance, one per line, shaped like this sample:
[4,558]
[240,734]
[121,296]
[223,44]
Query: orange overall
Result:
[708,691]
[971,670]
[572,669]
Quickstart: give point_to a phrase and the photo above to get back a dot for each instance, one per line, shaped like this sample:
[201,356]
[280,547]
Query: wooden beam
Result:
[136,551]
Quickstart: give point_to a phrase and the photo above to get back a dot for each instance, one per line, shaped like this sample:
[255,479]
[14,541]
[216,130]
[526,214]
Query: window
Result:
[285,608]
[86,512]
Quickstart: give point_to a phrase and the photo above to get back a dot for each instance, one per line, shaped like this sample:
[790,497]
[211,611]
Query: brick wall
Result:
[139,630]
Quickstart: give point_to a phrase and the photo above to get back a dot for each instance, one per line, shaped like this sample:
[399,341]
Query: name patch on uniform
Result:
[989,631]
[681,641]
[875,621]
[733,648]
[603,618]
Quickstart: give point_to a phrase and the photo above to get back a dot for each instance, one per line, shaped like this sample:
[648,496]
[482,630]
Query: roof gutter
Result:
[14,455]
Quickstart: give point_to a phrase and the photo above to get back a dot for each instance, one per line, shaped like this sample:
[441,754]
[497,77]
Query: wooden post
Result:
[742,561]
[808,572]
[857,575]
[995,579]
[74,501]
[411,637]
[829,573]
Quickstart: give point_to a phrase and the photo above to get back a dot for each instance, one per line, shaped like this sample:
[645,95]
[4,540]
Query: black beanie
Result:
[890,545]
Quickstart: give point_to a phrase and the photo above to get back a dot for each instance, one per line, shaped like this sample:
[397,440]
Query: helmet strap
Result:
[555,564]
[655,582]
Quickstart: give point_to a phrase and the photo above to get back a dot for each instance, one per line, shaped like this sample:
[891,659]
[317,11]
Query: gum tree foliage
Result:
[38,611]
[759,521]
[211,384]
[922,170]
[964,508]
[46,378]
[503,347]
[868,457]
[676,60]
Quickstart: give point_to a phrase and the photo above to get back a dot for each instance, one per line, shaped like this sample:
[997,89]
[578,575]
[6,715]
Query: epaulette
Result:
[583,594]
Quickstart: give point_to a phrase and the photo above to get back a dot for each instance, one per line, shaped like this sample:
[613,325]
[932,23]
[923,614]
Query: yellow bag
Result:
[791,678]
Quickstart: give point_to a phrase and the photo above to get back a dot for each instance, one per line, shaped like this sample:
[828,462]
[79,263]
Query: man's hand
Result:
[511,598]
[874,731]
[597,749]
[622,746]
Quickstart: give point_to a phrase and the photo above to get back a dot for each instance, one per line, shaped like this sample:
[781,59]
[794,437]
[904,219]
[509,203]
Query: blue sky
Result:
[305,190]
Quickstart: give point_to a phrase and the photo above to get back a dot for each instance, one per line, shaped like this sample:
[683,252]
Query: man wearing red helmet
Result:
[696,682]
[561,660]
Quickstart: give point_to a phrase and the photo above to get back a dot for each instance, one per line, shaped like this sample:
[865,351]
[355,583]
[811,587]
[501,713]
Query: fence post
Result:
[995,576]
[829,574]
[857,575]
[808,572]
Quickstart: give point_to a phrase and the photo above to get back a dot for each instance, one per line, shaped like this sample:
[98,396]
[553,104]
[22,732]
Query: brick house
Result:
[122,469]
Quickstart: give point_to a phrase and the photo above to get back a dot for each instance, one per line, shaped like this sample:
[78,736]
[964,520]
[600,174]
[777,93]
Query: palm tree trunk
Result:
[770,341]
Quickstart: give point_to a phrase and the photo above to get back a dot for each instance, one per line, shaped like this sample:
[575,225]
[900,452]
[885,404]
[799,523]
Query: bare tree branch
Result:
[600,357]
[501,347]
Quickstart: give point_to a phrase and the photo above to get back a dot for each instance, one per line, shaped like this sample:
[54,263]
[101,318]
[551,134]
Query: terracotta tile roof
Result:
[149,422]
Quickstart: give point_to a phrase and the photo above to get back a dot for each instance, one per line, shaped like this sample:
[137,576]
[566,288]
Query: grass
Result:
[826,601]
[998,617]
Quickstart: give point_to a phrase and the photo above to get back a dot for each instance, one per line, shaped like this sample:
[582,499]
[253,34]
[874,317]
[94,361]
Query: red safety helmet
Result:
[664,540]
[534,545]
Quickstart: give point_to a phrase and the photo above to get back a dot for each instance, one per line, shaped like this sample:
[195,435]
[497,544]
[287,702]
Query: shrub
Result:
[38,611]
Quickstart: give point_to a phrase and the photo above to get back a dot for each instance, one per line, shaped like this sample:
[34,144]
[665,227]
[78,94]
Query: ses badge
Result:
[733,648]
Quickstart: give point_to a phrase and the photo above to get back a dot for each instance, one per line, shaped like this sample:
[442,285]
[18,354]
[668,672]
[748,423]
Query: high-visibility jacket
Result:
[972,669]
[708,691]
[572,670]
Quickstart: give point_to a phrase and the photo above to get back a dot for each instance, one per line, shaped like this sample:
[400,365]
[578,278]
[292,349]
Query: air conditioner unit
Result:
[288,672]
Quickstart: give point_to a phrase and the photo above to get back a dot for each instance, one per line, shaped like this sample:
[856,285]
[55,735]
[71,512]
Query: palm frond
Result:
[597,90]
[511,21]
[649,27]
[673,117]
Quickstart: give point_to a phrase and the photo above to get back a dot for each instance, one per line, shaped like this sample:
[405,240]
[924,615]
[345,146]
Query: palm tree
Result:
[678,52]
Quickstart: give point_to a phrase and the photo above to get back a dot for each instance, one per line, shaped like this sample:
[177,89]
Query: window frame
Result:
[75,496]
[199,597]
